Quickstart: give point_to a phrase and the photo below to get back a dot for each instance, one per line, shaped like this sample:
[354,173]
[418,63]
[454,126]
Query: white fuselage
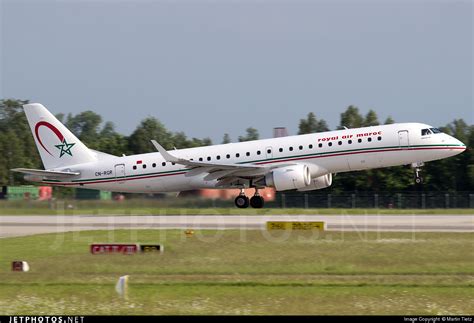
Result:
[324,153]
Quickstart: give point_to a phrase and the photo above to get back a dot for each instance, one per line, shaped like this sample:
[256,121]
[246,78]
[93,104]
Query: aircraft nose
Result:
[459,143]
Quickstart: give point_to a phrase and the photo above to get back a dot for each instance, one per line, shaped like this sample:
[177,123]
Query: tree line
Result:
[18,149]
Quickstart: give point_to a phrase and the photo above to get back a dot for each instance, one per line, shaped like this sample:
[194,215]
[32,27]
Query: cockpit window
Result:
[425,132]
[435,130]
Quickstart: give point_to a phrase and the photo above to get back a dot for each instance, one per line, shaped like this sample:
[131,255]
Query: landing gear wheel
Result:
[256,202]
[242,201]
[418,177]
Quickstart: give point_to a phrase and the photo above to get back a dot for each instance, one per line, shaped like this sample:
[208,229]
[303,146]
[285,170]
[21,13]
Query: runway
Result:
[12,226]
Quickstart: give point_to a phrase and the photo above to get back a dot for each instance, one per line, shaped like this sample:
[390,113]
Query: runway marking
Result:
[27,225]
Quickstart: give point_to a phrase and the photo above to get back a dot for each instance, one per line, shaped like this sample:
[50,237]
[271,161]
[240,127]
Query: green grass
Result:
[190,206]
[242,272]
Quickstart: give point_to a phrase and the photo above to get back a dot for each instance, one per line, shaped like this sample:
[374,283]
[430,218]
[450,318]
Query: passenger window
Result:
[320,145]
[218,157]
[330,144]
[163,164]
[134,167]
[339,143]
[280,150]
[291,148]
[369,139]
[258,152]
[310,146]
[379,138]
[301,147]
[144,166]
[227,156]
[247,154]
[208,158]
[359,140]
[173,164]
[269,151]
[154,165]
[237,155]
[200,158]
[349,142]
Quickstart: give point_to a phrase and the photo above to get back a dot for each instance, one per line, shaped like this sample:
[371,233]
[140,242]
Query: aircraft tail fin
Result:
[57,146]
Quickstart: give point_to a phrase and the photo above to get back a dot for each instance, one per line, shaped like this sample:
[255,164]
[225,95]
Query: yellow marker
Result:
[189,233]
[291,225]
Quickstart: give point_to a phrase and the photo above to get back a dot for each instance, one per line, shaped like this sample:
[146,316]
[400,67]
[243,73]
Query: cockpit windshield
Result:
[426,132]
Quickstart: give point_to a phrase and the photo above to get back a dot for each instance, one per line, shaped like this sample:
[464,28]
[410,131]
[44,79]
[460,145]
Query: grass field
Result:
[189,206]
[242,272]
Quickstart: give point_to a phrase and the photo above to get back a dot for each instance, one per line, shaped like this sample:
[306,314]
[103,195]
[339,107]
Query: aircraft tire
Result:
[257,202]
[242,201]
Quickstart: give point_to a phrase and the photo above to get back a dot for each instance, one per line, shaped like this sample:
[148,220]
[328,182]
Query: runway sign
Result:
[151,248]
[292,225]
[20,266]
[107,248]
[124,248]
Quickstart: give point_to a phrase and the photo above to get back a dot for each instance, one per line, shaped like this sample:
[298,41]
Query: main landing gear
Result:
[243,201]
[417,167]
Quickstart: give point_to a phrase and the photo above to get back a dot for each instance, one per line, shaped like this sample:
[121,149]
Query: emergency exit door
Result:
[269,152]
[120,173]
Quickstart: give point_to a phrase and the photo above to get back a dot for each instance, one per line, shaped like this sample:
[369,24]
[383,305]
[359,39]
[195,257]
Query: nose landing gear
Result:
[243,201]
[417,167]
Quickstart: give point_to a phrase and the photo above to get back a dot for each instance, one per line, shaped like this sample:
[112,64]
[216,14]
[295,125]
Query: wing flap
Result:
[219,174]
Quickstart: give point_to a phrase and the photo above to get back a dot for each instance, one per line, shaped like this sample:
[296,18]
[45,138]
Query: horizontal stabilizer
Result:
[47,173]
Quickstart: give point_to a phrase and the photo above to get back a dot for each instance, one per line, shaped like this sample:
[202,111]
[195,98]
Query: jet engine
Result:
[289,177]
[318,183]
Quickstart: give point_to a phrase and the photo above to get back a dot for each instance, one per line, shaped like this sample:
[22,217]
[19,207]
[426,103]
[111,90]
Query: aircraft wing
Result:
[47,173]
[182,161]
[224,173]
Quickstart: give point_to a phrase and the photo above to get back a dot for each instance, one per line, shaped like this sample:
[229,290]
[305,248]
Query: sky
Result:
[214,67]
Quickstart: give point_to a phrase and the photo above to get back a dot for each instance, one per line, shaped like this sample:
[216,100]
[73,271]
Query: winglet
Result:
[166,155]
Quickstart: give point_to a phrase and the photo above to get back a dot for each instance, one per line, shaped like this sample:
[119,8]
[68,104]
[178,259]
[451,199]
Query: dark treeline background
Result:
[17,148]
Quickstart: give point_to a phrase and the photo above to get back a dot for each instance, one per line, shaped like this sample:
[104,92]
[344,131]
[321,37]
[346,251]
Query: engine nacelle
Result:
[318,183]
[289,177]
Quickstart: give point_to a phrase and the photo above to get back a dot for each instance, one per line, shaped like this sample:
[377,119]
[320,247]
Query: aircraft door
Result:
[120,173]
[403,138]
[269,152]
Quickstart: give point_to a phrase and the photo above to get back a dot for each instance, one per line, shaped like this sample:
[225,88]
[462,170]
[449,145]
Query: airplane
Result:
[303,163]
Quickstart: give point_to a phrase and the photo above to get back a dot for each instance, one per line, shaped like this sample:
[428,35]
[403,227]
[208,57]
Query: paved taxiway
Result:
[22,225]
